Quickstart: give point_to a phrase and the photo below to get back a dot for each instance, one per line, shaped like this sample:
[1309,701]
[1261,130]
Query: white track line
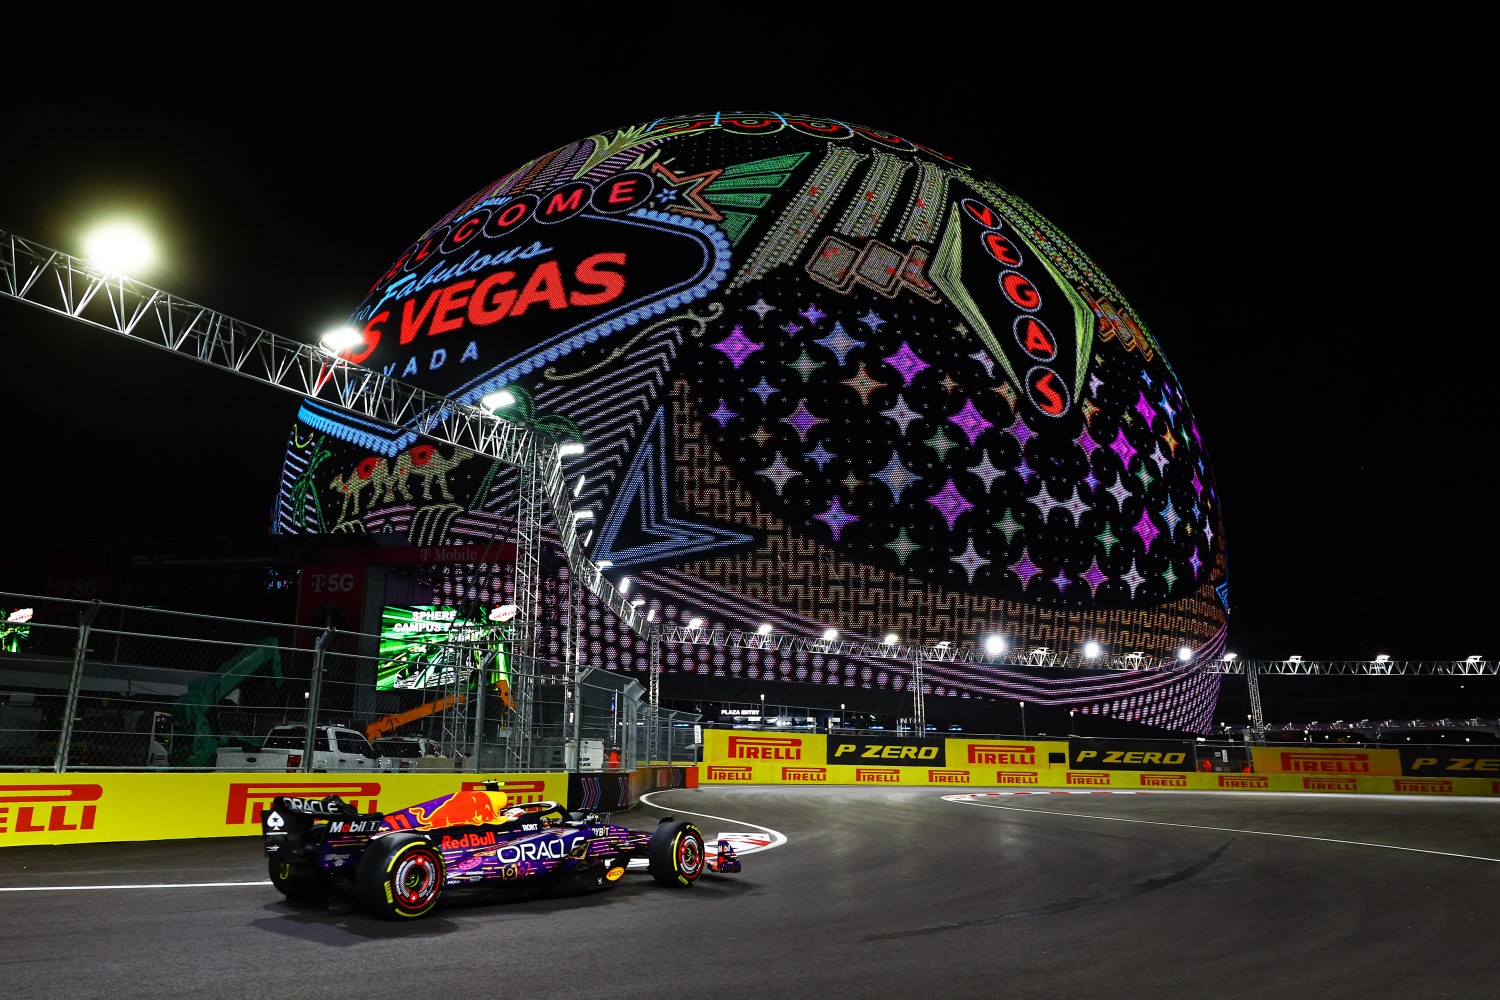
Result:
[971,801]
[777,839]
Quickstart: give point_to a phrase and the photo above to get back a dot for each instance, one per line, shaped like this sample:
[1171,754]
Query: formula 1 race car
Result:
[398,865]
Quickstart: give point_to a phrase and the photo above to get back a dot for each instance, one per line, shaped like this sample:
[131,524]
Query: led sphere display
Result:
[825,377]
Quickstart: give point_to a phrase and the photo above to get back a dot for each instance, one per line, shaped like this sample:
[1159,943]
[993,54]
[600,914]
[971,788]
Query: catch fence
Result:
[87,685]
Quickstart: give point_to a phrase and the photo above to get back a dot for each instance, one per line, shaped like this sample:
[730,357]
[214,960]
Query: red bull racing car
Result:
[398,865]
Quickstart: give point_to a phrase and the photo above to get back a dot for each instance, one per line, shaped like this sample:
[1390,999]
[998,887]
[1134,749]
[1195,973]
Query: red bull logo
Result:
[460,809]
[1002,753]
[468,840]
[1017,777]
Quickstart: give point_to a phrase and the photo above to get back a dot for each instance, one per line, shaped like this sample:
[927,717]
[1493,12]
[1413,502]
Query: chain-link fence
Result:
[95,686]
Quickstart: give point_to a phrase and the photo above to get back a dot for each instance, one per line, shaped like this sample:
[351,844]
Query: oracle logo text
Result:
[247,800]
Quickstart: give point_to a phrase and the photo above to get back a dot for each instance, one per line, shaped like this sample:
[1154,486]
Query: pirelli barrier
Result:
[741,757]
[82,807]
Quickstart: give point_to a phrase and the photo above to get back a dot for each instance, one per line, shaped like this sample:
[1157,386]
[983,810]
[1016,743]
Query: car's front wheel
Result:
[676,854]
[400,877]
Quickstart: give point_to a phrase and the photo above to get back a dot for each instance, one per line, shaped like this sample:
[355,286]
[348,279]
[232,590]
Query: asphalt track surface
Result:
[873,893]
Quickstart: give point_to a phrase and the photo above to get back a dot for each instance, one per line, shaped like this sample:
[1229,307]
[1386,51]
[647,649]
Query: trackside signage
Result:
[866,751]
[1118,756]
[1325,763]
[1436,761]
[87,807]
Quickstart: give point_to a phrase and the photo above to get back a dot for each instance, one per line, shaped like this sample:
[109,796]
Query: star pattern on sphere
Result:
[950,503]
[840,343]
[1158,458]
[906,362]
[971,560]
[1008,525]
[1119,491]
[805,365]
[761,307]
[902,546]
[1025,471]
[802,420]
[986,472]
[812,314]
[1086,442]
[872,320]
[821,455]
[737,347]
[984,358]
[723,414]
[1094,577]
[941,443]
[1169,575]
[836,518]
[970,421]
[778,472]
[1025,569]
[896,476]
[686,190]
[902,414]
[1122,447]
[1062,580]
[1133,578]
[1169,514]
[1047,503]
[1020,431]
[863,384]
[1107,539]
[764,390]
[1146,531]
[1145,409]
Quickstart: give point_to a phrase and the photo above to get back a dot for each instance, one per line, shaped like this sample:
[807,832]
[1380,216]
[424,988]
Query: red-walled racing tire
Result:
[676,854]
[400,877]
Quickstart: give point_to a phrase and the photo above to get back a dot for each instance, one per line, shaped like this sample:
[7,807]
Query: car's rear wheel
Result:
[400,877]
[298,881]
[676,854]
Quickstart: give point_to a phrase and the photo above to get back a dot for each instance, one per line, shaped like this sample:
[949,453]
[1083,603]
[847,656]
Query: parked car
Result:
[335,748]
[415,753]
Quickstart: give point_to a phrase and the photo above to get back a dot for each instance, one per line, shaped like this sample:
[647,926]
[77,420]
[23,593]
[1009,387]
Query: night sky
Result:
[1297,258]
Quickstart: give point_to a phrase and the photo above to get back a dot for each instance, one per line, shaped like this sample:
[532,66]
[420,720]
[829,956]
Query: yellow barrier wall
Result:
[747,757]
[92,807]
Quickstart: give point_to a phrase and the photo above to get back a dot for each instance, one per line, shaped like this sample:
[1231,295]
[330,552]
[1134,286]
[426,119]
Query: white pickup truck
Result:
[335,748]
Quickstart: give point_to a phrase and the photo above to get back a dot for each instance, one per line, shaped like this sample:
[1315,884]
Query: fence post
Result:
[75,684]
[314,694]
